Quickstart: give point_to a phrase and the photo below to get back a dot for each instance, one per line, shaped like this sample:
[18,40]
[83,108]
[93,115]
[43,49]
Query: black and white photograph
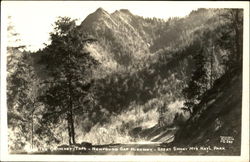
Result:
[114,78]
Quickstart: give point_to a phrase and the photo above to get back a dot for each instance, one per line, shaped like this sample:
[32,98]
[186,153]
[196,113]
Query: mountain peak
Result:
[99,13]
[101,16]
[125,11]
[101,10]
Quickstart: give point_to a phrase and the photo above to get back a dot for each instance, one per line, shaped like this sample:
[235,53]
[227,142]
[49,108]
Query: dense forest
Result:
[118,76]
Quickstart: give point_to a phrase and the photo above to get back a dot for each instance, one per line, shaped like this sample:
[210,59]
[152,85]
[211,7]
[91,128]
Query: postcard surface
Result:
[100,80]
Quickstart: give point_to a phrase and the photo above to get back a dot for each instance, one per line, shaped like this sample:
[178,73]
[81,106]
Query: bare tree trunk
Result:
[69,129]
[237,40]
[211,67]
[161,118]
[32,125]
[71,119]
[72,125]
[235,17]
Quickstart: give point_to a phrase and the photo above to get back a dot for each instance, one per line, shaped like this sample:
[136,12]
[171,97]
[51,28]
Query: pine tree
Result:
[21,91]
[69,69]
[14,47]
[198,83]
[234,18]
[22,101]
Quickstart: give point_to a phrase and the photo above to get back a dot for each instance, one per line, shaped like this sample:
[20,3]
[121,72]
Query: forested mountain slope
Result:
[162,76]
[127,38]
[217,116]
[121,71]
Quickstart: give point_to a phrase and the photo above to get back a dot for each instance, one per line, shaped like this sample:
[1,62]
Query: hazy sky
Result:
[33,20]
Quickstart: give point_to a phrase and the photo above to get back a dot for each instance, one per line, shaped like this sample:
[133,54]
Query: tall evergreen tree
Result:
[21,91]
[69,69]
[234,35]
[199,79]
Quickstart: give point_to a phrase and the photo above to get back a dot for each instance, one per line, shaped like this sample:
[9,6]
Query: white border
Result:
[245,106]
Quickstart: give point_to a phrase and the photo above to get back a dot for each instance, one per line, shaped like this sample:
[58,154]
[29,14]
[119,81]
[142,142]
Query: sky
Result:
[33,20]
